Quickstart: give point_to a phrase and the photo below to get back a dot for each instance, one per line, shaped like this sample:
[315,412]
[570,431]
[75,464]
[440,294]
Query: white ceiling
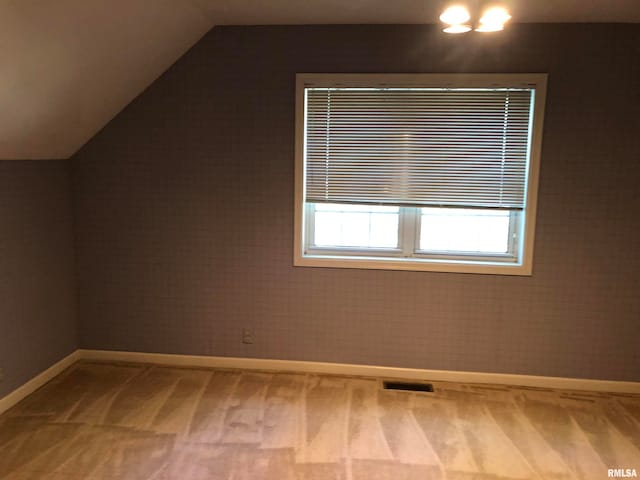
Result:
[294,12]
[69,66]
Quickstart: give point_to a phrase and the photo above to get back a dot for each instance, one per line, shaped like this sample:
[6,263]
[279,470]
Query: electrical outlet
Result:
[247,335]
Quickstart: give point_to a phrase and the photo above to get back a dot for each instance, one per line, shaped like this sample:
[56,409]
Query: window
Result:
[418,172]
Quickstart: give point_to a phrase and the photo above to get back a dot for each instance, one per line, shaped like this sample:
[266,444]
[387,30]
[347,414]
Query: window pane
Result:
[464,230]
[364,226]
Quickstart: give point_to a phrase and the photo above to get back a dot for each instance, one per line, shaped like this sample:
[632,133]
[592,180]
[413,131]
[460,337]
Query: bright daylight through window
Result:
[418,172]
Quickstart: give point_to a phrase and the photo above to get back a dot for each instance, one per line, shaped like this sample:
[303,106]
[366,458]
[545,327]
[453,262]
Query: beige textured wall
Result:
[184,213]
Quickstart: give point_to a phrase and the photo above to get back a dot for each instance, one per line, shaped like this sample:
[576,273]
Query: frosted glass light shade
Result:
[455,15]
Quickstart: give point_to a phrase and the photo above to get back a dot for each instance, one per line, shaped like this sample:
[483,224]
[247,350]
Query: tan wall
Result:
[184,213]
[37,279]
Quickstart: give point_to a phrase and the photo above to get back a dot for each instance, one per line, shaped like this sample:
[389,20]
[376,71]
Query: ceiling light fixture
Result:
[495,15]
[493,20]
[457,16]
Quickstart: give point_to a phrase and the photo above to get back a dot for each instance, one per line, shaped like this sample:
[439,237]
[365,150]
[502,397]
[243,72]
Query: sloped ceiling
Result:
[69,66]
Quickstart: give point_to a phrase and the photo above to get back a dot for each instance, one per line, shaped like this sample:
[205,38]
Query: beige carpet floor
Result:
[123,421]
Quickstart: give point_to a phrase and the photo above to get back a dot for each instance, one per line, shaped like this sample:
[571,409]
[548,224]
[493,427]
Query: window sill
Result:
[413,264]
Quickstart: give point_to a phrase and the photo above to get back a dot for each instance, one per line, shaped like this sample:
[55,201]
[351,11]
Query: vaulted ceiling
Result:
[69,66]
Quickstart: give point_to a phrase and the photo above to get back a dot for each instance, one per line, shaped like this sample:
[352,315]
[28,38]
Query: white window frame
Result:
[394,259]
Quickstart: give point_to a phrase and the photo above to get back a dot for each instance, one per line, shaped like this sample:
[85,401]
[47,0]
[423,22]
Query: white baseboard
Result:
[364,370]
[36,382]
[316,367]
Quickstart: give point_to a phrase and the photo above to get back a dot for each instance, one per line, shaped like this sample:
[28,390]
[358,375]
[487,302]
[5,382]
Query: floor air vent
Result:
[410,387]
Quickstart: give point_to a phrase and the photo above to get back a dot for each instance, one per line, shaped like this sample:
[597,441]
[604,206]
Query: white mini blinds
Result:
[446,147]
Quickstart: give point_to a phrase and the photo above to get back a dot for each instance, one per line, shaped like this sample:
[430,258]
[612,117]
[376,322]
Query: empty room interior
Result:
[323,240]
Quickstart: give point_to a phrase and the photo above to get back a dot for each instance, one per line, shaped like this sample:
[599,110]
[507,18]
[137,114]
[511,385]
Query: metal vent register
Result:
[408,386]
